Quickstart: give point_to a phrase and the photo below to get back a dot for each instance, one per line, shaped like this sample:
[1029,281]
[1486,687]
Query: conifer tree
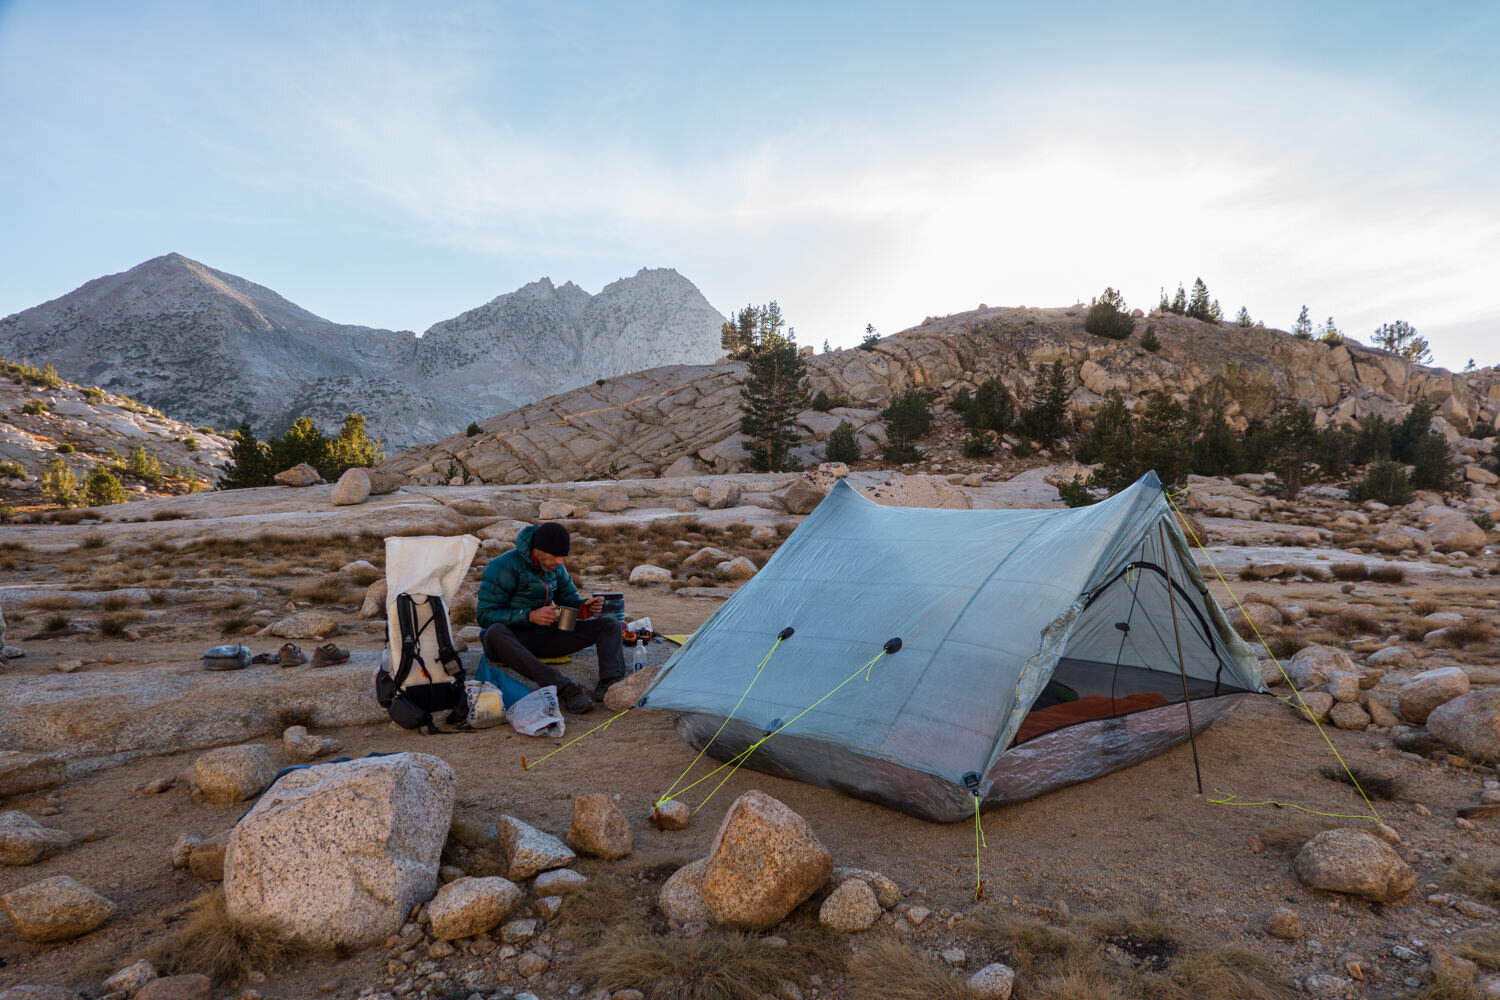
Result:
[1199,306]
[249,461]
[1045,418]
[1242,318]
[1302,329]
[1179,301]
[774,392]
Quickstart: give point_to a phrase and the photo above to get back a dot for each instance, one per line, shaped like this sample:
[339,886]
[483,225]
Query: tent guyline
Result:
[781,637]
[733,764]
[1297,704]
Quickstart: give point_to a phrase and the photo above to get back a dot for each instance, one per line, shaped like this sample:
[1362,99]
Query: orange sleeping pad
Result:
[1094,706]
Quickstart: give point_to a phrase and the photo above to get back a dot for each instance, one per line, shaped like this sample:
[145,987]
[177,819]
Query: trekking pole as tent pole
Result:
[1166,560]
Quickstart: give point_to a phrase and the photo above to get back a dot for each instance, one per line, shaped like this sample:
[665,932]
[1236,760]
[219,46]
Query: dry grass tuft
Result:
[232,624]
[1425,606]
[1376,786]
[1352,621]
[1220,974]
[1349,571]
[715,965]
[1288,836]
[94,540]
[116,602]
[1482,946]
[55,623]
[1468,634]
[1480,881]
[1386,573]
[264,571]
[464,613]
[208,942]
[326,590]
[888,969]
[363,576]
[52,602]
[1029,943]
[114,626]
[157,596]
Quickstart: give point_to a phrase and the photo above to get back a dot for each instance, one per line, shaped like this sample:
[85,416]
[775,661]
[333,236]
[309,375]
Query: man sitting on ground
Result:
[519,597]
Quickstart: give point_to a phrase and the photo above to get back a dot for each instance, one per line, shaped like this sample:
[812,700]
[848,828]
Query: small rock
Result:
[130,978]
[352,488]
[672,815]
[529,850]
[850,908]
[469,906]
[1348,715]
[599,828]
[993,982]
[548,906]
[1285,923]
[558,880]
[24,841]
[955,957]
[189,987]
[55,909]
[518,931]
[531,965]
[374,602]
[233,774]
[887,892]
[625,693]
[739,568]
[301,747]
[1315,705]
[917,914]
[1354,862]
[308,625]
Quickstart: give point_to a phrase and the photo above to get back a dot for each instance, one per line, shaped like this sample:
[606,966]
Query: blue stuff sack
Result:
[512,689]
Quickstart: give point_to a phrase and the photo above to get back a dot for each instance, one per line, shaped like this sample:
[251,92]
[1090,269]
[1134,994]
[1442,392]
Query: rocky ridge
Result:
[685,420]
[87,427]
[214,348]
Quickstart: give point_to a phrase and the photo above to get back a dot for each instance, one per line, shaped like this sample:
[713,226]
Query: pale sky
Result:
[390,165]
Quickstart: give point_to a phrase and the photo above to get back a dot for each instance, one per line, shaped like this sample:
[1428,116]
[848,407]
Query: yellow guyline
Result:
[667,795]
[1298,704]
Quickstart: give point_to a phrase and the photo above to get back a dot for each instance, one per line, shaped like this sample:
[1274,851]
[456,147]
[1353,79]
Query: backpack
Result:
[420,677]
[428,678]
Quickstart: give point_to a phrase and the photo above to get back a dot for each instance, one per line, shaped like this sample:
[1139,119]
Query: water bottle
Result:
[640,655]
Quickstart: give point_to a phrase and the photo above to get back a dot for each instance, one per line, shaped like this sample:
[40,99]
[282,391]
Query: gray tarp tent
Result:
[1037,649]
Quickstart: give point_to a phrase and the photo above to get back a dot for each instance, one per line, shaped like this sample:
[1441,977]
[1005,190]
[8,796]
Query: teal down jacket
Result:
[512,586]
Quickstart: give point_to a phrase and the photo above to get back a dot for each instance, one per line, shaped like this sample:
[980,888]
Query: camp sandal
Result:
[575,700]
[266,658]
[291,656]
[328,655]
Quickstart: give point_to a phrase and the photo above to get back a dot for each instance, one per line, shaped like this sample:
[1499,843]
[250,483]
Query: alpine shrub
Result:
[1149,341]
[472,430]
[979,444]
[101,488]
[1107,316]
[58,483]
[1076,493]
[842,445]
[991,408]
[907,418]
[1384,482]
[821,402]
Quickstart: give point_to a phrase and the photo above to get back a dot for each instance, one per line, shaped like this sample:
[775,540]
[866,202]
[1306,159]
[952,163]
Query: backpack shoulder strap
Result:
[411,650]
[446,655]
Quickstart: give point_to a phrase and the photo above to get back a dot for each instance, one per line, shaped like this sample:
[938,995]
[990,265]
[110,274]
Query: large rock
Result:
[625,693]
[382,483]
[24,841]
[337,855]
[1391,658]
[55,909]
[993,982]
[1470,724]
[29,772]
[706,557]
[681,897]
[599,828]
[803,494]
[850,908]
[469,906]
[307,625]
[1312,666]
[646,574]
[529,851]
[353,487]
[723,493]
[233,774]
[764,861]
[919,491]
[1457,534]
[192,986]
[374,602]
[887,892]
[1429,689]
[738,568]
[1354,862]
[298,475]
[1262,616]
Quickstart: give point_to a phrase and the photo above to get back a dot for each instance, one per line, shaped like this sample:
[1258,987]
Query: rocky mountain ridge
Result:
[685,419]
[213,348]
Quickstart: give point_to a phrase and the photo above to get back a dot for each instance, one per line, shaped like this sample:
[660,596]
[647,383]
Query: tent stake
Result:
[1187,704]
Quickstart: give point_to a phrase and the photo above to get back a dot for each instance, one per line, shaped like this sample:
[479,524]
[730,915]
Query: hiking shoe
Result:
[575,700]
[291,656]
[328,655]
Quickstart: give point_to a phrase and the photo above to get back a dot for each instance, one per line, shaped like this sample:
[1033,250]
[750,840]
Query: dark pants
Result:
[518,646]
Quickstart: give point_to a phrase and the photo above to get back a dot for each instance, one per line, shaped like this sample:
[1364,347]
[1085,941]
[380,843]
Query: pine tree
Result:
[1400,338]
[1216,452]
[249,461]
[1302,329]
[1215,314]
[302,444]
[737,336]
[1295,443]
[1242,318]
[1110,443]
[1165,305]
[1199,306]
[101,488]
[774,392]
[842,445]
[1045,417]
[351,449]
[1163,441]
[143,466]
[1179,301]
[58,483]
[1331,334]
[907,418]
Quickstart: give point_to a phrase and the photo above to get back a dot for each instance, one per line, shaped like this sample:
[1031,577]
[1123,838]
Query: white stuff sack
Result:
[538,714]
[486,708]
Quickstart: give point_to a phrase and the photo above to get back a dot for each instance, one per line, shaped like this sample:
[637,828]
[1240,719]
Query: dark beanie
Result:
[551,538]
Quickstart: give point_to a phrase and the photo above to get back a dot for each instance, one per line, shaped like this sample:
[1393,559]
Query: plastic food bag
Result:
[538,714]
[485,706]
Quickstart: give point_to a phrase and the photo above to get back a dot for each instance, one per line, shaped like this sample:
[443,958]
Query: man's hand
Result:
[593,606]
[544,616]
